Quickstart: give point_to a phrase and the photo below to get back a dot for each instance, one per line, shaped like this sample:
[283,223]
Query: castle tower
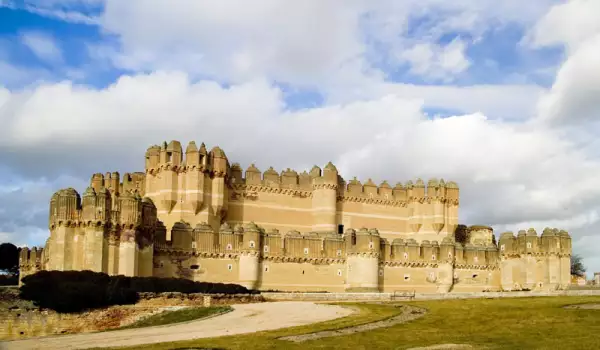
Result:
[565,258]
[145,239]
[249,264]
[550,242]
[95,211]
[170,161]
[508,252]
[64,213]
[446,265]
[362,262]
[416,194]
[324,199]
[195,166]
[436,192]
[130,219]
[451,204]
[219,167]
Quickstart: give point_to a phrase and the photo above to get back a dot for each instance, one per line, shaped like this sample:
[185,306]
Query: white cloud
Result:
[569,24]
[43,46]
[509,172]
[312,43]
[574,95]
[437,62]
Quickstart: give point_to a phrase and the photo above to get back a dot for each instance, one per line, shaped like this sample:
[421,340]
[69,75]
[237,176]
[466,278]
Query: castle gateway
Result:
[193,215]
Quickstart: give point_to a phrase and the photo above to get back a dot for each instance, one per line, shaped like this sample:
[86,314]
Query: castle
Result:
[193,215]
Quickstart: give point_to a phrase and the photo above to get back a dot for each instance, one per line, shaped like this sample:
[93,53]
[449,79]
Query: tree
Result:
[577,267]
[9,258]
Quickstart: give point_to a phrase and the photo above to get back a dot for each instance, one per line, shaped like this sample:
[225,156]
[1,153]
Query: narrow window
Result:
[433,257]
[340,229]
[405,256]
[528,245]
[339,272]
[266,249]
[229,267]
[502,247]
[251,244]
[267,268]
[228,247]
[305,251]
[407,277]
[371,245]
[193,245]
[339,252]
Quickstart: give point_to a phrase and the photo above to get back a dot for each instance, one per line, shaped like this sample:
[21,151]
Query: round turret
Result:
[363,263]
[249,263]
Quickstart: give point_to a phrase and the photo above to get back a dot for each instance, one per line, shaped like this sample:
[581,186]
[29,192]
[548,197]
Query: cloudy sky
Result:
[501,97]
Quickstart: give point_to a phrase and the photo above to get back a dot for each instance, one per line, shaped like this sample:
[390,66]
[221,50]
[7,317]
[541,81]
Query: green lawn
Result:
[520,323]
[183,315]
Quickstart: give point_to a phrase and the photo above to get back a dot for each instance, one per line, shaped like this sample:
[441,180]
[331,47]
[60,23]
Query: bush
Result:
[9,280]
[74,291]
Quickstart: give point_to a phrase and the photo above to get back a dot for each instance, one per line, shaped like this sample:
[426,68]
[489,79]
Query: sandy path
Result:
[246,318]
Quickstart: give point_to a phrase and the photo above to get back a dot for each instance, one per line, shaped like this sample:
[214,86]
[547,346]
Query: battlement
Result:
[527,242]
[295,246]
[170,157]
[31,258]
[102,207]
[131,182]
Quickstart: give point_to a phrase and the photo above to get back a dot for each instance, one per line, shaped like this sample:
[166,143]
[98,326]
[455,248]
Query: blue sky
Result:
[496,96]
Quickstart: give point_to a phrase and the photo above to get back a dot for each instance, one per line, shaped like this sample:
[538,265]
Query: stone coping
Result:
[421,296]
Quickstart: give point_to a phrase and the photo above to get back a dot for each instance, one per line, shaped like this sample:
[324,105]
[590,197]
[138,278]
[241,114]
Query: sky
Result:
[501,97]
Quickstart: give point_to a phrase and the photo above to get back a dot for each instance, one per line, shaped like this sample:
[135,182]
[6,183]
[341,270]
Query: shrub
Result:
[74,291]
[9,280]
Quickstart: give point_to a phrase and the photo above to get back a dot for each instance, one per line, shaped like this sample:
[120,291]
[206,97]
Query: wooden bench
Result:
[403,295]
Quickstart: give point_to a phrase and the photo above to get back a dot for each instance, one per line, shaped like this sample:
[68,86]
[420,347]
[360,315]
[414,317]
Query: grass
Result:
[177,316]
[515,323]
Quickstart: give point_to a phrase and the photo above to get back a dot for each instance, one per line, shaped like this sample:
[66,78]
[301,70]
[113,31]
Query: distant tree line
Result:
[74,291]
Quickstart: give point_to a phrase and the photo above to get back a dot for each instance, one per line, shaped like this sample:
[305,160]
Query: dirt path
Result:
[247,318]
[409,313]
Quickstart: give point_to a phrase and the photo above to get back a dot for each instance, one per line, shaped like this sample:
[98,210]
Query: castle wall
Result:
[281,211]
[193,215]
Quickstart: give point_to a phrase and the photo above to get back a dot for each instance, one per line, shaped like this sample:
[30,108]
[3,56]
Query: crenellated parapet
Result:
[528,242]
[400,194]
[124,216]
[30,261]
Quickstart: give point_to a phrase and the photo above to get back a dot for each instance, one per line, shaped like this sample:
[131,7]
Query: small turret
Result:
[152,157]
[131,213]
[419,189]
[253,175]
[218,162]
[89,205]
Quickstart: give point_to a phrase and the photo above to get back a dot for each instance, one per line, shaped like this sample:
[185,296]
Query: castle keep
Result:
[194,215]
